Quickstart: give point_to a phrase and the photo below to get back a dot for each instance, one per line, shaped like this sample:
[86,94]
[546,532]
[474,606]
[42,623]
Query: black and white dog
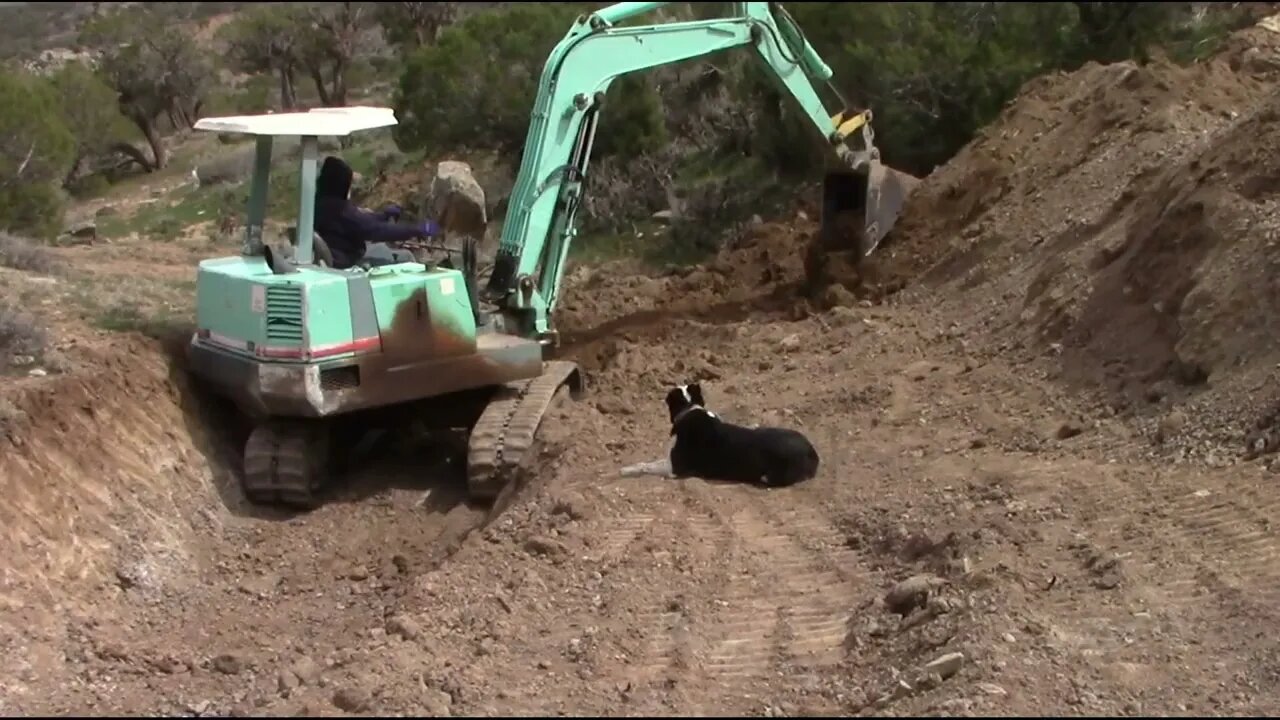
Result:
[712,449]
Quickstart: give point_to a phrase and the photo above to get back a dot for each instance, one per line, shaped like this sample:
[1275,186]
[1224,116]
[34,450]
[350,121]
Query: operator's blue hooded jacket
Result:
[346,228]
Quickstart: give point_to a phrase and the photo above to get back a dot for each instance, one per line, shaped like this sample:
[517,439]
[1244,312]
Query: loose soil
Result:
[1061,419]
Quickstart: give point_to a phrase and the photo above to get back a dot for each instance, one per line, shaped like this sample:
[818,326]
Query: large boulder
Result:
[457,200]
[227,168]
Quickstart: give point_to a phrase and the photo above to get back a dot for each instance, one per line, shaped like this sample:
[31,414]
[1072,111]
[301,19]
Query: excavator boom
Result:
[548,193]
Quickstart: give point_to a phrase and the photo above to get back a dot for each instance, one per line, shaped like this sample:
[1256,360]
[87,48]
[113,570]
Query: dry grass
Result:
[22,254]
[20,334]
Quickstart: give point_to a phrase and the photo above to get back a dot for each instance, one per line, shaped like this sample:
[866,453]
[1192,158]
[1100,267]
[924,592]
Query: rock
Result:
[401,564]
[168,665]
[992,689]
[37,372]
[912,593]
[132,573]
[1170,426]
[404,626]
[543,545]
[945,666]
[259,587]
[21,360]
[383,160]
[83,233]
[837,295]
[457,200]
[286,682]
[611,405]
[955,706]
[790,342]
[844,314]
[232,167]
[570,504]
[360,186]
[665,216]
[919,370]
[228,664]
[437,703]
[358,573]
[306,670]
[352,699]
[1259,62]
[83,230]
[1066,431]
[106,211]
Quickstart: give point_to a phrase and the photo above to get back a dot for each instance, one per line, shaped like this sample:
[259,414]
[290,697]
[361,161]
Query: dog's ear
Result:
[695,394]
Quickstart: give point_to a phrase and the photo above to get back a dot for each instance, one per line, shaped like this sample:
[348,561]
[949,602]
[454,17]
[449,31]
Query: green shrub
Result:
[36,152]
[475,88]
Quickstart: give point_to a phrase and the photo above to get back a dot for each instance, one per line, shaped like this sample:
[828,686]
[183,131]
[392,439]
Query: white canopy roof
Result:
[323,122]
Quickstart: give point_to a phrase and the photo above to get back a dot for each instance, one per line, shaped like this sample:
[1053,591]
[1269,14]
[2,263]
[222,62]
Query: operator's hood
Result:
[334,179]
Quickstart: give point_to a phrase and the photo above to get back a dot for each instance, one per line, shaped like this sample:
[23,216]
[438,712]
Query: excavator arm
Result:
[548,193]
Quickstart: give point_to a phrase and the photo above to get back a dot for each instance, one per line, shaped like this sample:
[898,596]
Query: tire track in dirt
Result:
[670,652]
[1233,536]
[786,599]
[668,624]
[1188,534]
[618,538]
[1200,558]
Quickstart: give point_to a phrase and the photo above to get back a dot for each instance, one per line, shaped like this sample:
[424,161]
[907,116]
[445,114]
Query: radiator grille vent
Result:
[284,314]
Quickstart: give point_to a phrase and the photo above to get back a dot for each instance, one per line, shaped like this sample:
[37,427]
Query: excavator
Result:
[308,351]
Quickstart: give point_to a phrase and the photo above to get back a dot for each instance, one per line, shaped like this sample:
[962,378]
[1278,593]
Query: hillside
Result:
[1131,240]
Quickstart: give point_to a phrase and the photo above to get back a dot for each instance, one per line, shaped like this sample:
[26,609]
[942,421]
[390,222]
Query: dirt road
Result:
[1082,577]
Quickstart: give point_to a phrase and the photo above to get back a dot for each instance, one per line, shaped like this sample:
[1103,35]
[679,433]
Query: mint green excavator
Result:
[308,351]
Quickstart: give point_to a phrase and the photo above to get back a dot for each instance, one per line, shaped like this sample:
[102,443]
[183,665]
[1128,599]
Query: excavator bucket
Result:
[860,207]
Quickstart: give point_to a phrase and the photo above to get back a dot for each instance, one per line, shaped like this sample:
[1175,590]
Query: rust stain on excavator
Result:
[421,359]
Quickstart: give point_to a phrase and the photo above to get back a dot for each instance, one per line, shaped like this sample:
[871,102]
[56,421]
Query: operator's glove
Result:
[392,212]
[430,228]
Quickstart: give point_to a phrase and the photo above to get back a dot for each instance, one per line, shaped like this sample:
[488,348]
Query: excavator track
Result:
[502,437]
[284,463]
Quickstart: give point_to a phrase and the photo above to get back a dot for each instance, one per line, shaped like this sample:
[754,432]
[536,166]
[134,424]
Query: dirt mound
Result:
[125,421]
[1071,145]
[759,271]
[1116,219]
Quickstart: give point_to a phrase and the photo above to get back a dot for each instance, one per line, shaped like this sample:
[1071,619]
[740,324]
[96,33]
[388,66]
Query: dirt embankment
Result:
[1119,220]
[137,577]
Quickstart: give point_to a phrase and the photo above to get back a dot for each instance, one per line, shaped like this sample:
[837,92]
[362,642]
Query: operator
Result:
[353,234]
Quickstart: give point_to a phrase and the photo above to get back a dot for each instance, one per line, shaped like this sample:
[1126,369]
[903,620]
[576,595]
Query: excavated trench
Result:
[129,544]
